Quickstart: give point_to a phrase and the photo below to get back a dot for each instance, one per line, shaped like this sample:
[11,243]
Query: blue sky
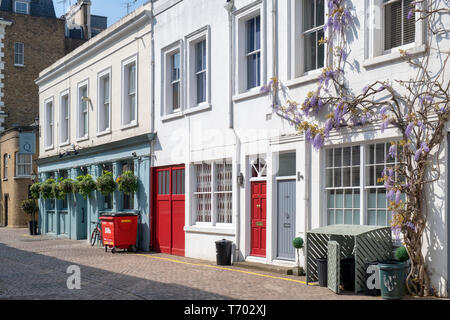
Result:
[113,9]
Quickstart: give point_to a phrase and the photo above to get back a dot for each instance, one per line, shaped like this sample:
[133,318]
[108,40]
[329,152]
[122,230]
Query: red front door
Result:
[168,186]
[258,219]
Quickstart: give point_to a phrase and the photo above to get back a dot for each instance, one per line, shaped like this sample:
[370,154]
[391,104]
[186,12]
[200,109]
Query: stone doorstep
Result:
[264,267]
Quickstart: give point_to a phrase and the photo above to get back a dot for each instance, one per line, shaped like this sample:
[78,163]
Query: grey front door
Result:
[286,219]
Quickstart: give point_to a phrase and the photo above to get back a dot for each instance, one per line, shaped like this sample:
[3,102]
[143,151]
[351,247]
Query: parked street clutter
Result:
[36,268]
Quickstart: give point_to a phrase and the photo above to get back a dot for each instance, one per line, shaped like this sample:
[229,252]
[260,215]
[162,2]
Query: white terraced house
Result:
[187,77]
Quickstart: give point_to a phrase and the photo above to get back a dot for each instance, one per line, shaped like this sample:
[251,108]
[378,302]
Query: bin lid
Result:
[117,214]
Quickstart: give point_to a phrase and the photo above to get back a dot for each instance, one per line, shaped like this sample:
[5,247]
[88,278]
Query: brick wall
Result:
[43,40]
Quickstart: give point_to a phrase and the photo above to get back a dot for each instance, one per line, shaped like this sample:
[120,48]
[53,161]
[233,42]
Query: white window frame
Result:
[242,15]
[374,52]
[192,40]
[363,187]
[26,3]
[49,126]
[64,118]
[101,103]
[80,85]
[19,55]
[166,76]
[125,86]
[296,60]
[29,164]
[214,191]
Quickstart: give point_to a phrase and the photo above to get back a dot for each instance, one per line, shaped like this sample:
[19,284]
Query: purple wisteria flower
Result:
[398,195]
[318,141]
[411,225]
[409,129]
[385,124]
[392,152]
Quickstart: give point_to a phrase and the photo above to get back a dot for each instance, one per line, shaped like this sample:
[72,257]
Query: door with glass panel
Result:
[168,224]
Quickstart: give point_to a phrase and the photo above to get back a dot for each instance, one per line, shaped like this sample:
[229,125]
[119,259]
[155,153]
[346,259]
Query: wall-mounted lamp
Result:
[240,179]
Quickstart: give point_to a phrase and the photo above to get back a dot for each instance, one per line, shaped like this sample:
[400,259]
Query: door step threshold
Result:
[263,267]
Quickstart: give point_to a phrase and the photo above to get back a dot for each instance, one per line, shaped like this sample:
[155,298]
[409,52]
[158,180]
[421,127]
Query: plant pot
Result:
[392,279]
[298,271]
[32,226]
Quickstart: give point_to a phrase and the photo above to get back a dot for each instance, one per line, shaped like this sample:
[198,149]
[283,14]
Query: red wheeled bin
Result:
[119,231]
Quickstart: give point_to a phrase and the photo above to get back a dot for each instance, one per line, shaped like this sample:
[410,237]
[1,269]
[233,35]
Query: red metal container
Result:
[119,231]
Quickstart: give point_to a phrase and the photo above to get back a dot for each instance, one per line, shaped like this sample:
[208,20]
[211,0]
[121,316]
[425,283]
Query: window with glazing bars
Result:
[175,81]
[343,185]
[313,24]
[200,70]
[202,193]
[64,118]
[377,160]
[108,199]
[49,124]
[83,112]
[398,29]
[224,192]
[19,54]
[131,94]
[24,164]
[253,52]
[105,102]
[128,199]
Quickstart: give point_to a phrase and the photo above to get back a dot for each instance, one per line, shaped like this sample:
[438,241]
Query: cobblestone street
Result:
[35,268]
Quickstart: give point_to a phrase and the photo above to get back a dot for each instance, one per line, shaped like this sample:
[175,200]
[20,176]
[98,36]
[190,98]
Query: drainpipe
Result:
[229,6]
[275,47]
[307,191]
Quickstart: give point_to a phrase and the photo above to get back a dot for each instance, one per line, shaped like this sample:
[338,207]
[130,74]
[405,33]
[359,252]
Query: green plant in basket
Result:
[35,190]
[127,182]
[65,186]
[85,185]
[105,183]
[47,189]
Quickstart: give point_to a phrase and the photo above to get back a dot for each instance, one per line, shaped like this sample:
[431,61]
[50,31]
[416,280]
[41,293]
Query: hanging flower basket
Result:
[65,187]
[127,182]
[85,185]
[106,184]
[35,190]
[47,189]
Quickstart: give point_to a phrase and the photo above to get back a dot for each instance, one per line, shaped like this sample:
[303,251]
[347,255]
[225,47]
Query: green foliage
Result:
[30,206]
[401,254]
[105,183]
[127,182]
[85,185]
[47,189]
[63,188]
[297,243]
[35,190]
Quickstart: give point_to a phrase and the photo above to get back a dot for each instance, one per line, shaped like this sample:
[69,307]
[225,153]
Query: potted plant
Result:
[85,185]
[127,182]
[46,189]
[30,207]
[35,190]
[106,184]
[297,243]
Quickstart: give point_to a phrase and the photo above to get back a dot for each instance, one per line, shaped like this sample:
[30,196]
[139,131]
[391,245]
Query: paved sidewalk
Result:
[35,268]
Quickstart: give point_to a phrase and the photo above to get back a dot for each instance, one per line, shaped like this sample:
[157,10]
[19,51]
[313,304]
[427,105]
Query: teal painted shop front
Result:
[75,217]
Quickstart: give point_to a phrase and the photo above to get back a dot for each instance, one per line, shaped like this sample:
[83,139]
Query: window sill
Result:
[82,139]
[198,108]
[172,116]
[303,79]
[103,133]
[5,179]
[393,56]
[252,93]
[21,177]
[19,65]
[65,144]
[48,148]
[229,231]
[128,126]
